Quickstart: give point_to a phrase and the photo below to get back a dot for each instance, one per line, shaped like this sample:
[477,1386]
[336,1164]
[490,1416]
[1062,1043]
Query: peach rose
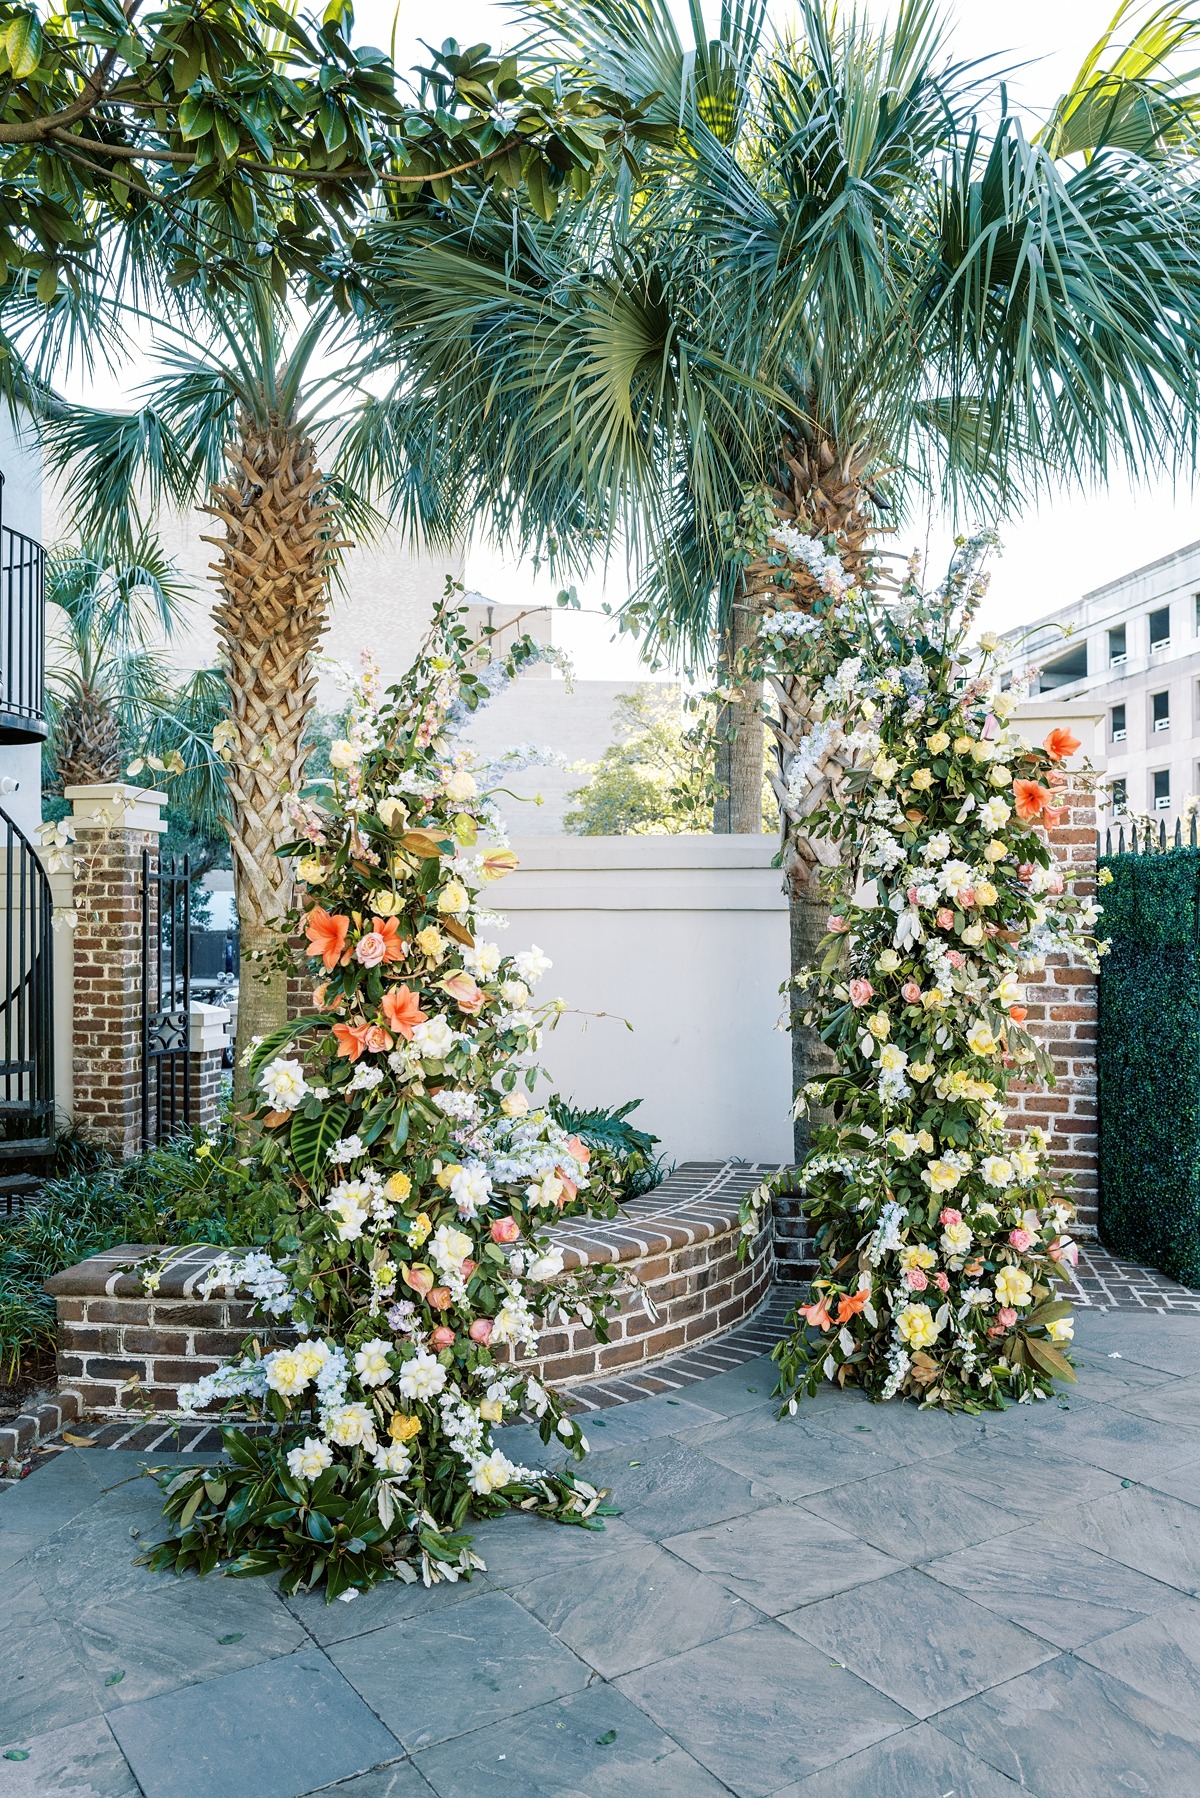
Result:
[481,1330]
[441,1338]
[440,1298]
[505,1229]
[861,991]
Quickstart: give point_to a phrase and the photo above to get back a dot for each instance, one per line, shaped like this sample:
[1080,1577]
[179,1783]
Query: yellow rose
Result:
[491,1410]
[431,943]
[980,1040]
[398,1188]
[942,1176]
[924,1140]
[311,870]
[888,962]
[1062,1329]
[446,1175]
[1013,1286]
[916,1326]
[404,1426]
[995,851]
[917,1254]
[453,897]
[921,1071]
[963,745]
[386,904]
[989,643]
[937,742]
[1000,776]
[922,780]
[879,1024]
[981,752]
[985,893]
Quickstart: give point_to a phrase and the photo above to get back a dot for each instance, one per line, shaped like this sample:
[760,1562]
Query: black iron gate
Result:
[26,1000]
[166,997]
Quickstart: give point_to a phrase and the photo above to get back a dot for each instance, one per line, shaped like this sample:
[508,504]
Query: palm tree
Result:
[834,292]
[268,426]
[105,680]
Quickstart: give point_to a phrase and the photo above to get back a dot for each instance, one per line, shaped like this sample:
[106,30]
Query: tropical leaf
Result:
[311,1139]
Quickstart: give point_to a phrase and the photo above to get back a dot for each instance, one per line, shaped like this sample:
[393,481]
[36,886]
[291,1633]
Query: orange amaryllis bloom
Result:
[495,863]
[1032,800]
[818,1314]
[327,935]
[851,1303]
[469,997]
[402,1009]
[1060,744]
[352,1040]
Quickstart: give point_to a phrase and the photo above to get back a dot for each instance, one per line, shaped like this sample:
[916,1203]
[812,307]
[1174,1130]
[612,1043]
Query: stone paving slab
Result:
[863,1602]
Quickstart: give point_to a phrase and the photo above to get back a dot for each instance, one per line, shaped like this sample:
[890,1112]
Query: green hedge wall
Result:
[1148,1062]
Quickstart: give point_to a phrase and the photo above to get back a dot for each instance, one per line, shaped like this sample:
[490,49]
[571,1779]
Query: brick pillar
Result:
[113,825]
[1062,1016]
[208,1038]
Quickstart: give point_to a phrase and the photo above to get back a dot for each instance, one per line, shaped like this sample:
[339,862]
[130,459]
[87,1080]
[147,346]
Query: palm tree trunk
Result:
[276,549]
[825,494]
[737,808]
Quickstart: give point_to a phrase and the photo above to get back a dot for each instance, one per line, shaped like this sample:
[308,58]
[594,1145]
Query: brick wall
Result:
[1062,1016]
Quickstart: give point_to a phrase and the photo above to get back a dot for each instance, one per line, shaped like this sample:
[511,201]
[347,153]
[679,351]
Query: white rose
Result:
[433,1039]
[460,785]
[343,754]
[470,1188]
[312,1459]
[450,1248]
[492,1472]
[545,1267]
[351,1426]
[285,1373]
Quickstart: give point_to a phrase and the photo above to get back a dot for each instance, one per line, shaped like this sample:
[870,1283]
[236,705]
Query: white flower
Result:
[460,785]
[514,993]
[343,754]
[349,1148]
[349,1204]
[892,1059]
[366,1079]
[980,1040]
[483,960]
[492,1472]
[955,876]
[312,1459]
[450,1248]
[545,1267]
[283,1083]
[351,1426]
[531,964]
[285,1372]
[433,1039]
[421,1378]
[470,1188]
[957,1239]
[996,1170]
[371,1363]
[546,1191]
[937,848]
[393,1458]
[995,813]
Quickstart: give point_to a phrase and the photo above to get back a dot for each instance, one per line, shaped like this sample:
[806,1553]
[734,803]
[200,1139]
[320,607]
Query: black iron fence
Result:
[166,997]
[22,634]
[1149,838]
[26,999]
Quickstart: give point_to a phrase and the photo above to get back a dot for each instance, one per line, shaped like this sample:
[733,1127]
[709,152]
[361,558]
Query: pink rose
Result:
[468,1268]
[942,1282]
[949,1216]
[945,919]
[441,1338]
[1020,1240]
[1008,1317]
[861,992]
[1025,869]
[966,897]
[911,992]
[912,895]
[916,1279]
[956,958]
[370,949]
[481,1330]
[441,1298]
[1055,882]
[505,1229]
[1063,1249]
[838,924]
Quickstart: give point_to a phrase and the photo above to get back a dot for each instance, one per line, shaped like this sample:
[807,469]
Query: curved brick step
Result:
[123,1350]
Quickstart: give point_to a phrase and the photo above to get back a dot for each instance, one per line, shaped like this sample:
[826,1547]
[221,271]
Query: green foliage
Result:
[191,1189]
[656,780]
[623,1158]
[1148,1062]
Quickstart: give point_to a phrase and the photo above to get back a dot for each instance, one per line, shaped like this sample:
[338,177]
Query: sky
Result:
[1073,543]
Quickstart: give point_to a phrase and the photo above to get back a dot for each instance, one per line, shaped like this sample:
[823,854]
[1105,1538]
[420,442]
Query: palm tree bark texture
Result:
[276,552]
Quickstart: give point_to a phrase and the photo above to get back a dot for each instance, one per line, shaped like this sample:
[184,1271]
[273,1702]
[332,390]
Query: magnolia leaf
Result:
[274,1119]
[312,1138]
[419,842]
[1049,1359]
[458,932]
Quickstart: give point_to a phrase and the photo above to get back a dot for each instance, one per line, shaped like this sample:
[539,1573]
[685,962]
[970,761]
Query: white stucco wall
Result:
[687,939]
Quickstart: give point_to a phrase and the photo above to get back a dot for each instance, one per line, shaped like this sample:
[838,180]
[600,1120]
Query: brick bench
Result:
[122,1350]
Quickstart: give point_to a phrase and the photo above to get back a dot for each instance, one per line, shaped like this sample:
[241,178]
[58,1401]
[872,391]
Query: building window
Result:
[1118,797]
[1116,644]
[1162,790]
[1118,724]
[1064,669]
[1160,629]
[1160,704]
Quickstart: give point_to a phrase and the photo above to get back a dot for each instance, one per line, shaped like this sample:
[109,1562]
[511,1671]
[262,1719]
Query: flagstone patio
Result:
[864,1602]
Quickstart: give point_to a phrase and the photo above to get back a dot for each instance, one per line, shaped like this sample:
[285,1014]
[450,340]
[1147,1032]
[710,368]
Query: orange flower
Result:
[402,1009]
[569,1189]
[352,1040]
[851,1303]
[1018,1013]
[1060,744]
[466,994]
[818,1314]
[389,930]
[327,936]
[376,1039]
[1032,799]
[580,1150]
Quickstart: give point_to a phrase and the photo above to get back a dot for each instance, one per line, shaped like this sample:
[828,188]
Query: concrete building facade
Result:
[1130,652]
